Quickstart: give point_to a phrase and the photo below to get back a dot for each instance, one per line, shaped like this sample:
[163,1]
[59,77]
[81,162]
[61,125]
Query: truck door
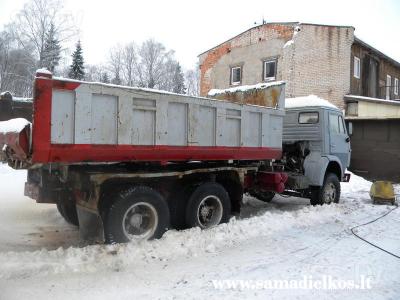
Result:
[339,139]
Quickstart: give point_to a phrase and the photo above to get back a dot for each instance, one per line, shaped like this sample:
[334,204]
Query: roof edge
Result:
[379,53]
[274,23]
[251,28]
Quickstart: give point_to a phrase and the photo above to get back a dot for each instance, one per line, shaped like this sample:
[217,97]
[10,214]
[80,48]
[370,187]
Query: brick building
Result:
[328,61]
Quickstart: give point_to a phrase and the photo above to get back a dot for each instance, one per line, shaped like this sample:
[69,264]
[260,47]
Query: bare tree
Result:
[130,64]
[97,73]
[153,63]
[115,64]
[33,23]
[192,82]
[16,67]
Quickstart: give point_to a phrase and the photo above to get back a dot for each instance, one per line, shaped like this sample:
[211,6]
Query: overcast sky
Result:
[191,27]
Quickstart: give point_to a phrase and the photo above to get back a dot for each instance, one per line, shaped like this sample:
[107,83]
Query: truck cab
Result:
[316,148]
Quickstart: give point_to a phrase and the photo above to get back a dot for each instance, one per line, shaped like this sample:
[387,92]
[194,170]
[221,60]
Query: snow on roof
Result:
[44,71]
[288,43]
[22,99]
[371,99]
[13,125]
[308,101]
[244,88]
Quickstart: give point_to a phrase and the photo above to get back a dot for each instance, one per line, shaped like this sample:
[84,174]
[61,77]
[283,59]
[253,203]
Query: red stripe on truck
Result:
[115,153]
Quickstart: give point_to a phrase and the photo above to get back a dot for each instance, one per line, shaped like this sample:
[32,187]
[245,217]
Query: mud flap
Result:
[90,225]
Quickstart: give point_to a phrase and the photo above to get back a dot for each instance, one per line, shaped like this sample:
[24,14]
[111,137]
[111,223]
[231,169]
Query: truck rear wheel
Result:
[136,214]
[328,193]
[208,206]
[67,210]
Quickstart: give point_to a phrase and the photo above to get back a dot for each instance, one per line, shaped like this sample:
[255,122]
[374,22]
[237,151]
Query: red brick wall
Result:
[251,36]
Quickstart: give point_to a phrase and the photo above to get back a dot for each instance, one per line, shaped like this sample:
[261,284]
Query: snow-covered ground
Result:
[287,239]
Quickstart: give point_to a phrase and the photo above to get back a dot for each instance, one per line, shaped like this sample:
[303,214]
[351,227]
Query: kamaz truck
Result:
[127,163]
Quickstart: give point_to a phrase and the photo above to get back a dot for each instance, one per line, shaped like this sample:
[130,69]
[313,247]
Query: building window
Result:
[357,67]
[269,70]
[236,75]
[388,84]
[396,86]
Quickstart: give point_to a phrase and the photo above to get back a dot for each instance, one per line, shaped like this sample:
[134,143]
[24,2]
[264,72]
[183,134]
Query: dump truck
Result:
[126,163]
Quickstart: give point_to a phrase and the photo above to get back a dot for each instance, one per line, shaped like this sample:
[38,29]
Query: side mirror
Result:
[350,127]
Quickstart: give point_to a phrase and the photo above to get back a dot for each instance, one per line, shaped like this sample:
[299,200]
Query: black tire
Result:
[177,203]
[213,198]
[67,210]
[328,193]
[146,206]
[262,196]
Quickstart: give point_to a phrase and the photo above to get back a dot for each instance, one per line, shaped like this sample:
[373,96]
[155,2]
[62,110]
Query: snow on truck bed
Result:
[284,239]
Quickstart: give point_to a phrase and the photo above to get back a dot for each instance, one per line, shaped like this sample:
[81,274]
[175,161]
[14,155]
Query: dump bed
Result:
[78,122]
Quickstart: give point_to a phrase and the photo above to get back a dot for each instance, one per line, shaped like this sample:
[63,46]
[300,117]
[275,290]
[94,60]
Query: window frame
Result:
[308,112]
[335,116]
[388,85]
[358,69]
[231,77]
[270,60]
[396,86]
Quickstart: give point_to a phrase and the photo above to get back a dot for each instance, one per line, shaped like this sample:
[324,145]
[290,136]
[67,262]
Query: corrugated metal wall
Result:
[376,149]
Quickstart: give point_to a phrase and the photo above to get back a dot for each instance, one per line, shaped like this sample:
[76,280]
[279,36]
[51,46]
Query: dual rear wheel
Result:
[141,213]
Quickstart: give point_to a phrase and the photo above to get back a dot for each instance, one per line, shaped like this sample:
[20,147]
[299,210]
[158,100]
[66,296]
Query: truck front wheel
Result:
[138,213]
[208,206]
[328,193]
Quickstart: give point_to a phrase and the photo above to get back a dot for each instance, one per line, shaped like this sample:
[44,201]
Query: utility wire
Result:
[368,242]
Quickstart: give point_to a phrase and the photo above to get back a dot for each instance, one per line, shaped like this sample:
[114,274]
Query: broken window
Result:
[236,75]
[357,68]
[270,70]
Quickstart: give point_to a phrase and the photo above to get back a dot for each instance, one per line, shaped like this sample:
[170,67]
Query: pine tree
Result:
[77,70]
[178,80]
[104,78]
[51,53]
[116,80]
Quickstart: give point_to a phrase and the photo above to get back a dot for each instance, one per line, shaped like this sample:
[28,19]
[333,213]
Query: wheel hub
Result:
[140,221]
[210,212]
[329,193]
[136,220]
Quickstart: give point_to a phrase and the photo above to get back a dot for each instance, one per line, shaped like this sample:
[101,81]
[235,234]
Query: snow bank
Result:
[189,243]
[244,88]
[308,101]
[356,185]
[13,125]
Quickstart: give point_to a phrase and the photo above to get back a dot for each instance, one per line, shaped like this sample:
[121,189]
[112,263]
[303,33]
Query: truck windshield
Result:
[308,117]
